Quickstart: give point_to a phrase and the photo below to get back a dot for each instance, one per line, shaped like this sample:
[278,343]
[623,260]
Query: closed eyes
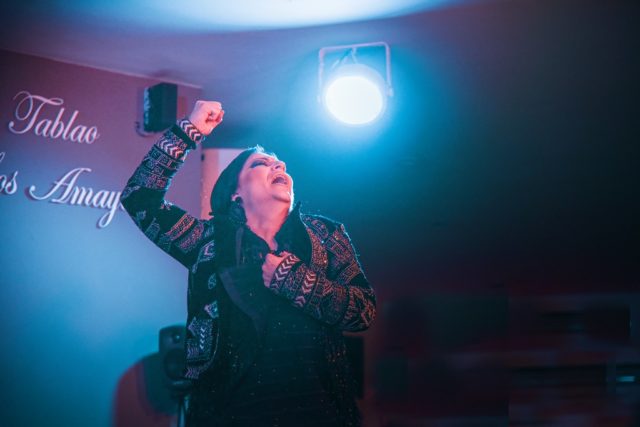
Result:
[261,161]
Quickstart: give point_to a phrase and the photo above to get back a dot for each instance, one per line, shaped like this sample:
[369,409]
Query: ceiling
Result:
[165,38]
[220,15]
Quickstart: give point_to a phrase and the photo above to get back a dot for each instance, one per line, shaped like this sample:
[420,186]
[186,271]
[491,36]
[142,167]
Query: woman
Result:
[270,289]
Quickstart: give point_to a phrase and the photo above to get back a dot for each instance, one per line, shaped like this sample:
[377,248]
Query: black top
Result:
[274,358]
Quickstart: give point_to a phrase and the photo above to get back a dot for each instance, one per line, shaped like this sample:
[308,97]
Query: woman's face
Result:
[264,179]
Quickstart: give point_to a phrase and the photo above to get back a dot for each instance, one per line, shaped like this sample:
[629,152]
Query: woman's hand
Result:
[206,115]
[269,266]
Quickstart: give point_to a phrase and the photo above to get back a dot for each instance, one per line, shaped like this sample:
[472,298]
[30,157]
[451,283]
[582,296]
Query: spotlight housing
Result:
[353,89]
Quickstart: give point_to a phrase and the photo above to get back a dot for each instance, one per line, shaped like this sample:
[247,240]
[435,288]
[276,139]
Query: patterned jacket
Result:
[331,287]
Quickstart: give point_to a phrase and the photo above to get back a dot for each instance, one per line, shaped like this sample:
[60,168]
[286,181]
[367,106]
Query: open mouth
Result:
[280,179]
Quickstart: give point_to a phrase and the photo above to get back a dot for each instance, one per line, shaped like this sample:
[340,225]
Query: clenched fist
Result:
[206,115]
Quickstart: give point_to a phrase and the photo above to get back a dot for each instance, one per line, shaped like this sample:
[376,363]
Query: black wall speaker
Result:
[164,369]
[171,349]
[160,107]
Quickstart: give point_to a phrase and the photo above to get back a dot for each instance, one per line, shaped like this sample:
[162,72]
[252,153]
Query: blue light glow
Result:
[355,99]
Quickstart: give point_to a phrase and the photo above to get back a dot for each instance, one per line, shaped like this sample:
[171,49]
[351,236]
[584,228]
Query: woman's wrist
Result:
[188,132]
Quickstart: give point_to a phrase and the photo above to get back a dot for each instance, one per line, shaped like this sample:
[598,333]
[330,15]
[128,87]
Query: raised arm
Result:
[346,301]
[171,228]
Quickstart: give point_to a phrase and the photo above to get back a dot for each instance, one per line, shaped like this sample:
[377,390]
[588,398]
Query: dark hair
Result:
[227,183]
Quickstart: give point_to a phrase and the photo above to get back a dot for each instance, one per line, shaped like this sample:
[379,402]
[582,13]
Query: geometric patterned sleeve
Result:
[171,228]
[346,300]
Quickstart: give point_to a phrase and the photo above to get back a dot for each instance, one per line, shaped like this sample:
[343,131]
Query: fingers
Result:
[266,279]
[208,105]
[206,115]
[214,118]
[217,119]
[267,273]
[207,109]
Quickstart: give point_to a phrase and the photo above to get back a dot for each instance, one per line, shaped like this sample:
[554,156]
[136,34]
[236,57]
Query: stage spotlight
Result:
[353,92]
[356,95]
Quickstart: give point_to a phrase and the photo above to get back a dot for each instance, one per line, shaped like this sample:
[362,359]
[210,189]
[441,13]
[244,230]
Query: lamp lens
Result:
[354,99]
